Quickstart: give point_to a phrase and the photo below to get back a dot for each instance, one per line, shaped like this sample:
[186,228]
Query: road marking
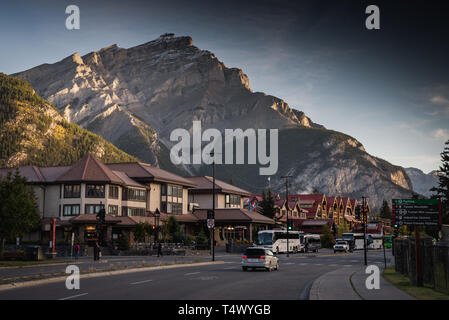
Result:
[354,260]
[289,263]
[139,282]
[347,265]
[333,265]
[318,264]
[78,295]
[188,274]
[303,264]
[229,268]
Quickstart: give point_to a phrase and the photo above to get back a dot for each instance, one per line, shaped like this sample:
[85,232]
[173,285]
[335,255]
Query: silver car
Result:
[341,246]
[258,257]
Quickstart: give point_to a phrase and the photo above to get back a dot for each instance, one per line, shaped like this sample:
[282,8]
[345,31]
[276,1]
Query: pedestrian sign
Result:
[210,223]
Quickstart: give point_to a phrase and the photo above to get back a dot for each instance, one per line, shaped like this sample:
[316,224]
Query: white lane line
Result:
[78,295]
[139,282]
[289,263]
[229,268]
[303,264]
[354,260]
[347,265]
[189,274]
[318,264]
[333,265]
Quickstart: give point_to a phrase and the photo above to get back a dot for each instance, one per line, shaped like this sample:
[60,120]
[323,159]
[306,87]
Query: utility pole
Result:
[213,206]
[383,245]
[286,199]
[364,229]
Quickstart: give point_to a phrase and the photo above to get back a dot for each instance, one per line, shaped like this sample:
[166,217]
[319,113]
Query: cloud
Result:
[441,134]
[439,101]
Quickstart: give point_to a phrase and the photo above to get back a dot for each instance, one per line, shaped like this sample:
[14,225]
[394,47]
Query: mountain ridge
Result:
[142,93]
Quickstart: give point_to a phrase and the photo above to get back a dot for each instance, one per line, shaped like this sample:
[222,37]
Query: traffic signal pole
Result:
[364,230]
[213,209]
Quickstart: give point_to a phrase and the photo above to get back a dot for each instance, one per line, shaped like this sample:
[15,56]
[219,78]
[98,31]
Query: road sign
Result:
[416,212]
[210,223]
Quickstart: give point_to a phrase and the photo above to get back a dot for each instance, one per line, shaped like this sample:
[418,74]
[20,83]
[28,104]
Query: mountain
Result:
[423,182]
[33,132]
[135,97]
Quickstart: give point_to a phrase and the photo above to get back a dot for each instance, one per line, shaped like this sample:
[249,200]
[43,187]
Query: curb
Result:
[9,286]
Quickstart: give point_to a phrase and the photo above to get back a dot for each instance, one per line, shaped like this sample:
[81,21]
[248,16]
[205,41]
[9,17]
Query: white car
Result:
[258,257]
[341,246]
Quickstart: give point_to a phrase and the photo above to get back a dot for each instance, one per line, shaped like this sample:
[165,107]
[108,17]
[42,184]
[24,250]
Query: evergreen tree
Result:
[18,209]
[385,211]
[267,204]
[442,191]
[327,238]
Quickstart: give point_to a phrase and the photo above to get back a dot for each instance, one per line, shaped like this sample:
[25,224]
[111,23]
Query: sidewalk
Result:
[348,283]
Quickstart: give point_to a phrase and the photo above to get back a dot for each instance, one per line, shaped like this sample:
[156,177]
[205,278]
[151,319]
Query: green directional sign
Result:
[416,212]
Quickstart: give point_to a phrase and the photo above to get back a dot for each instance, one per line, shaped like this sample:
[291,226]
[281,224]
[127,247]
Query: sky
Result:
[388,88]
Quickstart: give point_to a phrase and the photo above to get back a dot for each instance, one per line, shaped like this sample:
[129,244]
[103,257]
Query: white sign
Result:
[210,223]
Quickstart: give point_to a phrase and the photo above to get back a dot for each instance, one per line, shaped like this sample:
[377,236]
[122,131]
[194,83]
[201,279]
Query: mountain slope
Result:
[422,182]
[33,132]
[135,97]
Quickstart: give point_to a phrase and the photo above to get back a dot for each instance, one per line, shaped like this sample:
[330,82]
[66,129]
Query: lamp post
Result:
[286,199]
[157,215]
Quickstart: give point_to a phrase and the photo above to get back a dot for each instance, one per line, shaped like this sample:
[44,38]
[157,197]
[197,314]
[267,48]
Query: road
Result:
[207,282]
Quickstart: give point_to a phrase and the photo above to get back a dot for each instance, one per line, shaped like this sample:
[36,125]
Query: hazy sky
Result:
[388,88]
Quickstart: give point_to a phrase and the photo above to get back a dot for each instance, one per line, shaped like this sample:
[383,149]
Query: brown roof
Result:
[92,218]
[234,215]
[144,171]
[127,180]
[205,183]
[90,169]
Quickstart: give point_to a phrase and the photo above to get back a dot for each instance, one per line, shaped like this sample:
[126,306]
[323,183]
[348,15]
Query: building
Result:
[129,192]
[232,219]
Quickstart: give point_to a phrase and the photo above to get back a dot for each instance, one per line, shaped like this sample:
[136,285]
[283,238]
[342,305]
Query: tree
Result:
[142,231]
[18,209]
[231,182]
[327,239]
[267,204]
[343,228]
[385,211]
[442,190]
[172,228]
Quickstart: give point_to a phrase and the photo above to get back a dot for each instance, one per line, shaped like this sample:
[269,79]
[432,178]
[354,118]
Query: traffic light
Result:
[153,227]
[210,214]
[289,225]
[396,231]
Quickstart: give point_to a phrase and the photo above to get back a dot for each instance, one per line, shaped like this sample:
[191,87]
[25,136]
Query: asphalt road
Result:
[221,281]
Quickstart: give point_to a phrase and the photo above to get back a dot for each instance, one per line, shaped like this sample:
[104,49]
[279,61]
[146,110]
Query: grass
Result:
[403,283]
[28,263]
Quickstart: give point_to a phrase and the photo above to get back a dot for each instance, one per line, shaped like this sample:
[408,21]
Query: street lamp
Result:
[157,215]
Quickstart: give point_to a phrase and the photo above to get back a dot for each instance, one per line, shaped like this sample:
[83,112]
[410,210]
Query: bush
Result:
[14,255]
[123,243]
[202,239]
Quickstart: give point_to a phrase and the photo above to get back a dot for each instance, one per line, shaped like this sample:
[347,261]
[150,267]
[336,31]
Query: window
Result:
[172,201]
[113,210]
[129,211]
[134,194]
[94,191]
[72,191]
[232,200]
[93,208]
[71,210]
[113,192]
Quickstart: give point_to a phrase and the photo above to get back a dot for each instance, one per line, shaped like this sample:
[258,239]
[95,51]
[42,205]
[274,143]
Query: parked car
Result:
[258,257]
[341,246]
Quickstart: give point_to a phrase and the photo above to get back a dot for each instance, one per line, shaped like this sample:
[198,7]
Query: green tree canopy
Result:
[18,209]
[442,190]
[385,210]
[266,206]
